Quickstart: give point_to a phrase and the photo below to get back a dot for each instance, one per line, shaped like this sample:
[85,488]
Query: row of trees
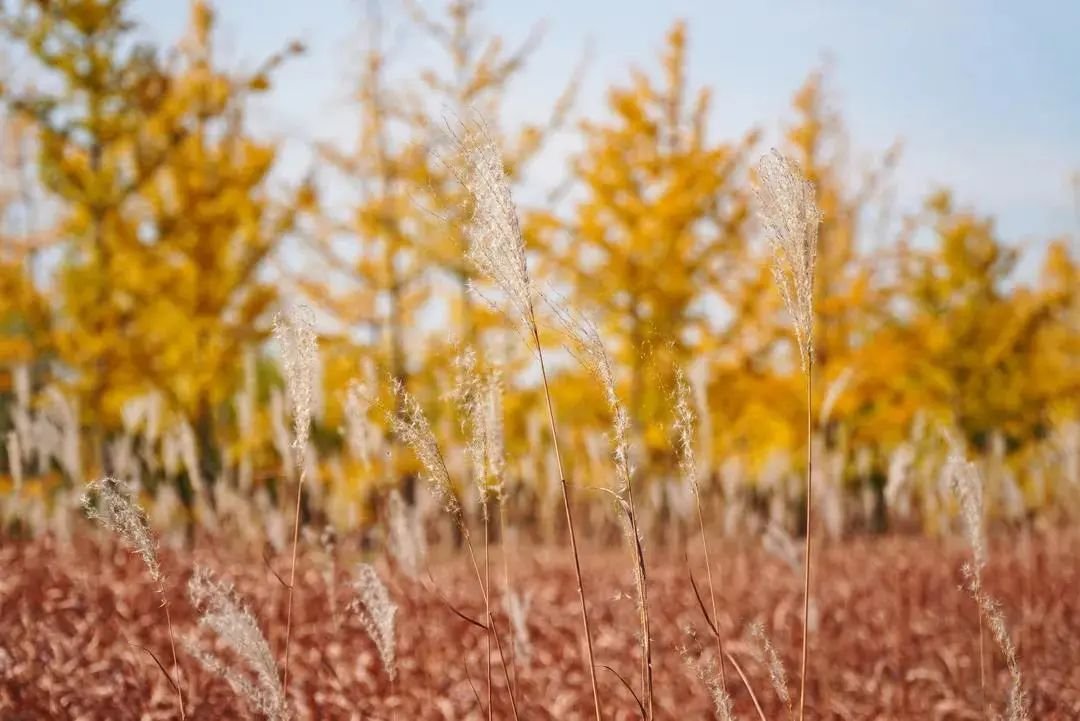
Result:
[145,246]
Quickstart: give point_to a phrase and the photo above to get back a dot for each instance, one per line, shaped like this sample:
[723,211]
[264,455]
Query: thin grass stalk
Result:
[506,583]
[746,683]
[982,662]
[569,522]
[172,648]
[491,621]
[646,640]
[712,598]
[685,429]
[789,213]
[809,534]
[292,581]
[487,604]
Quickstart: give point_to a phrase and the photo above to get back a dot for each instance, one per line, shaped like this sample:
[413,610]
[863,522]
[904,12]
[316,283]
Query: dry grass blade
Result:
[157,661]
[747,686]
[628,687]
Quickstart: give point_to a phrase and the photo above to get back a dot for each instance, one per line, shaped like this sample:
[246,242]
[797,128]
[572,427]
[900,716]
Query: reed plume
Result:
[223,613]
[707,670]
[496,248]
[411,426]
[968,487]
[789,213]
[295,333]
[377,613]
[685,427]
[587,346]
[110,503]
[768,656]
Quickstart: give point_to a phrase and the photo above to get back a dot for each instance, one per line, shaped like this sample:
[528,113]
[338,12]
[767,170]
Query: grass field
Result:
[898,637]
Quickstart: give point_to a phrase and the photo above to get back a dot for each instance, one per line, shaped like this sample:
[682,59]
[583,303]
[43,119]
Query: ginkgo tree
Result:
[652,248]
[165,212]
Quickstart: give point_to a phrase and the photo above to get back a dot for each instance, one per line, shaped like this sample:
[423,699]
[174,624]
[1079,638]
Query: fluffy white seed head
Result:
[707,670]
[587,347]
[967,485]
[789,212]
[479,401]
[377,612]
[684,427]
[411,426]
[516,607]
[110,503]
[405,538]
[771,659]
[223,613]
[496,247]
[295,334]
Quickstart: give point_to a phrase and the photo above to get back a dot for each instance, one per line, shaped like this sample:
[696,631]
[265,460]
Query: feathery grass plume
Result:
[470,393]
[295,333]
[411,426]
[771,659]
[360,435]
[110,503]
[707,670]
[223,613]
[479,401]
[684,428]
[967,485]
[496,248]
[376,611]
[789,212]
[516,607]
[405,539]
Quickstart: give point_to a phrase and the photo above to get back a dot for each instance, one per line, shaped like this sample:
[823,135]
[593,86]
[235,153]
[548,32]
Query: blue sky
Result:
[983,95]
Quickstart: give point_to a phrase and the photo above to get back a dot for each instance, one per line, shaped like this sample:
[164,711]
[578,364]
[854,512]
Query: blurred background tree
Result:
[146,241]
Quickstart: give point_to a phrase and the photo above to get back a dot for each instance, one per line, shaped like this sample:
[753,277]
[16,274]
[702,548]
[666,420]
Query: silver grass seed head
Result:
[412,428]
[295,334]
[685,421]
[496,246]
[110,502]
[586,345]
[966,483]
[223,613]
[479,401]
[772,661]
[788,211]
[707,670]
[377,613]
